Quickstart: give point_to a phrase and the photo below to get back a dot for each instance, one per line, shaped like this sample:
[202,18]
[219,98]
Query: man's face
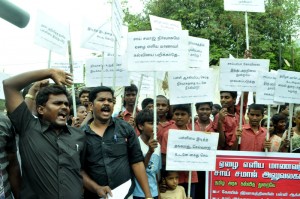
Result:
[84,99]
[56,110]
[255,116]
[162,106]
[103,106]
[204,112]
[130,97]
[226,100]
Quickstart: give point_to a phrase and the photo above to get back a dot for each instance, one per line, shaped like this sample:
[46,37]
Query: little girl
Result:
[174,191]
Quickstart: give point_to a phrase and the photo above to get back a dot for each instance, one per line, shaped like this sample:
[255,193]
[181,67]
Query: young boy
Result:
[174,191]
[147,103]
[226,122]
[279,139]
[253,136]
[203,123]
[151,152]
[181,116]
[164,116]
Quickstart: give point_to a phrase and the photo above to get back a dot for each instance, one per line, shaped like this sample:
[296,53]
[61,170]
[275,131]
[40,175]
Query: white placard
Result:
[265,88]
[51,34]
[191,151]
[117,19]
[94,69]
[287,87]
[241,74]
[245,5]
[147,85]
[97,37]
[157,50]
[198,52]
[65,66]
[3,76]
[159,23]
[191,86]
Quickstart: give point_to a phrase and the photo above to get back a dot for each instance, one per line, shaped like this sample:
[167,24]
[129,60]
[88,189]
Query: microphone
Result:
[13,14]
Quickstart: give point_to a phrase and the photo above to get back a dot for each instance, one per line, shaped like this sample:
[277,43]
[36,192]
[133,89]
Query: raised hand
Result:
[61,77]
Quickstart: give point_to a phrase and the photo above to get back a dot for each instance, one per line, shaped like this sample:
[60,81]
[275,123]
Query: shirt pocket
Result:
[118,147]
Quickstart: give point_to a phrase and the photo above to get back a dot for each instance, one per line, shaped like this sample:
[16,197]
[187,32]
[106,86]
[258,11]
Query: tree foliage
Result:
[270,33]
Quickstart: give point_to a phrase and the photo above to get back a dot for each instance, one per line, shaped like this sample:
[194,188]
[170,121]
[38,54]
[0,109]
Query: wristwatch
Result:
[30,96]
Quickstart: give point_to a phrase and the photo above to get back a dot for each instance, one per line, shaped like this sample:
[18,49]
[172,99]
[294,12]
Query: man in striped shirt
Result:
[10,177]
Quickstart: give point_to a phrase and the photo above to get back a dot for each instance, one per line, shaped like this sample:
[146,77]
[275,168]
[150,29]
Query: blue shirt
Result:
[152,169]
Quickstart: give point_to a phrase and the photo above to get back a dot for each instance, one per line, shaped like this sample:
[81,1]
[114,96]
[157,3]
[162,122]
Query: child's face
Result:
[172,180]
[181,118]
[204,112]
[281,125]
[271,129]
[147,129]
[162,106]
[255,116]
[297,120]
[227,100]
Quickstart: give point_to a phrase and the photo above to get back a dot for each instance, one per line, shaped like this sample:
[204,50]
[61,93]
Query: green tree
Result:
[270,32]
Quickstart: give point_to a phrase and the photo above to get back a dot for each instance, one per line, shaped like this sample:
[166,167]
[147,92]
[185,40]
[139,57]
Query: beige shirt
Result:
[178,193]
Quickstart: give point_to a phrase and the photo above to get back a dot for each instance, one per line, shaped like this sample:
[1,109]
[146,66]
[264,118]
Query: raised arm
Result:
[12,86]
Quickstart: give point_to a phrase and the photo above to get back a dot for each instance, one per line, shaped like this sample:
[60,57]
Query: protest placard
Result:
[191,151]
[147,84]
[97,36]
[241,74]
[265,88]
[65,66]
[245,5]
[192,86]
[3,76]
[159,23]
[95,70]
[198,52]
[51,34]
[157,50]
[287,87]
[254,175]
[117,19]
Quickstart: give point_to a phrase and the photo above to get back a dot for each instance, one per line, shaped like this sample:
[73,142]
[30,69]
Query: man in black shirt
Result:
[113,154]
[51,151]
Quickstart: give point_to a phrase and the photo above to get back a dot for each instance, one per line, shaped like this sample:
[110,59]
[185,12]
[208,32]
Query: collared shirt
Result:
[7,145]
[252,141]
[183,175]
[162,128]
[231,124]
[109,158]
[127,114]
[51,162]
[208,128]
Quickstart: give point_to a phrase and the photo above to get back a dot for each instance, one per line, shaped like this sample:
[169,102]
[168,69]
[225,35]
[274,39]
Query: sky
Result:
[18,53]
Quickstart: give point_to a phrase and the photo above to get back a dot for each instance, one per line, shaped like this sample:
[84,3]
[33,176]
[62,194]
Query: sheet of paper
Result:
[120,191]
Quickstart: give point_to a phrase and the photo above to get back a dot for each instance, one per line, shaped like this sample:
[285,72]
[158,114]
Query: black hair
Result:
[43,95]
[146,102]
[131,88]
[217,106]
[143,116]
[99,89]
[165,173]
[283,107]
[258,107]
[276,118]
[232,93]
[84,90]
[182,107]
[197,105]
